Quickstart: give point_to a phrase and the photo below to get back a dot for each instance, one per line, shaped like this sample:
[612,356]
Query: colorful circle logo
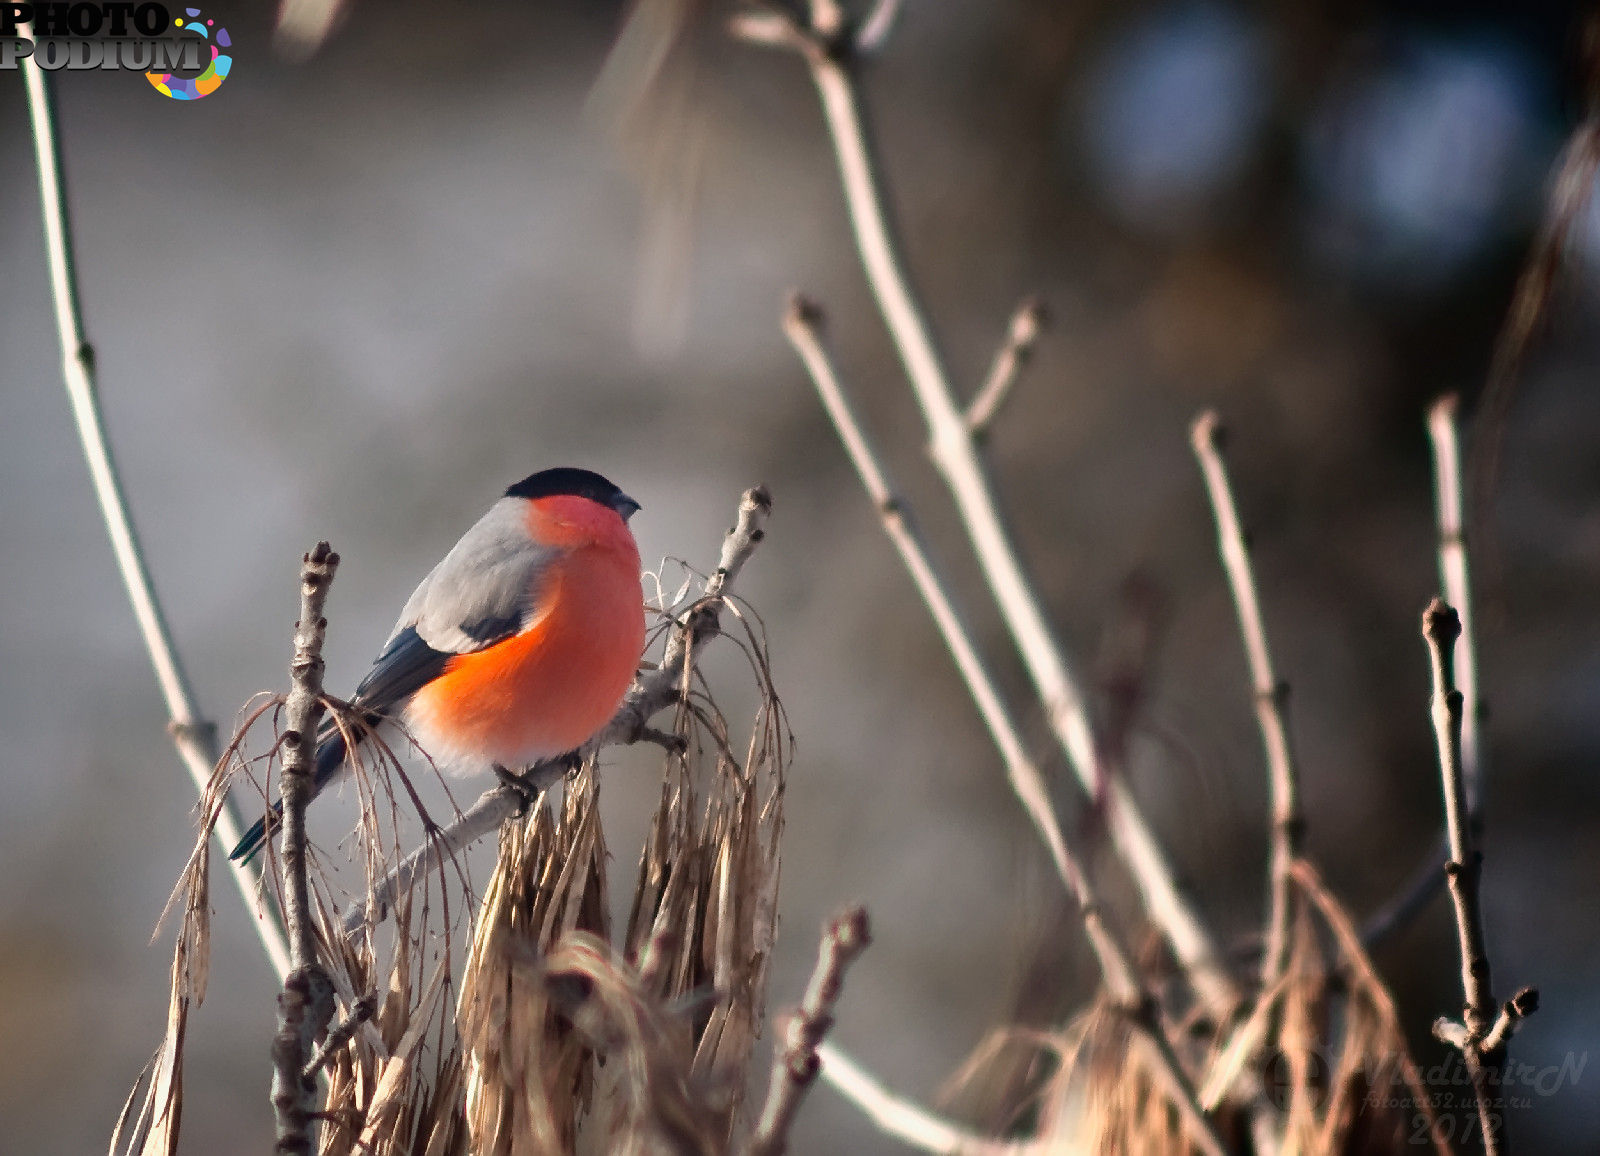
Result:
[183,88]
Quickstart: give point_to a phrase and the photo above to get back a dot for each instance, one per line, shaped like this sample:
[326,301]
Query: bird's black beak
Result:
[625,506]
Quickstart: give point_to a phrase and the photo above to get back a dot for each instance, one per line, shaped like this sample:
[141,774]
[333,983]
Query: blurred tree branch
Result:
[1271,695]
[826,47]
[801,324]
[195,738]
[1444,435]
[1481,1036]
[1022,334]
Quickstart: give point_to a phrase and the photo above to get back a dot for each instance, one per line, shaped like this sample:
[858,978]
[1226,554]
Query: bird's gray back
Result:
[484,589]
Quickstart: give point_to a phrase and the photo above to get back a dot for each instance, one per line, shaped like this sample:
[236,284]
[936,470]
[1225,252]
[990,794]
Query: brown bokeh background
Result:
[353,297]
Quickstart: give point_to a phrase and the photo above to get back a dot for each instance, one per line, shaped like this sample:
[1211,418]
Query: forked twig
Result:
[1022,334]
[1271,695]
[955,453]
[794,1060]
[1481,1036]
[195,738]
[801,325]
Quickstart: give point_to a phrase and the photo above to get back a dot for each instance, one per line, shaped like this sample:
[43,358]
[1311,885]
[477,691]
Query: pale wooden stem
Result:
[1021,337]
[908,1122]
[801,325]
[194,737]
[1450,516]
[305,1006]
[955,454]
[1481,1036]
[794,1056]
[1270,694]
[1443,433]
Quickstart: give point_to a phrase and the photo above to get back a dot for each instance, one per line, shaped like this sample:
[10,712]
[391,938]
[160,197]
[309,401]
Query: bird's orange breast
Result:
[549,689]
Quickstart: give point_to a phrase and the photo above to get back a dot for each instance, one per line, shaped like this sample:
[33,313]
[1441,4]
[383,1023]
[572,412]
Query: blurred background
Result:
[353,296]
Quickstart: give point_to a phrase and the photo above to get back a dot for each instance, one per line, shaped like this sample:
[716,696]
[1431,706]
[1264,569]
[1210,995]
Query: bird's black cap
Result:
[566,480]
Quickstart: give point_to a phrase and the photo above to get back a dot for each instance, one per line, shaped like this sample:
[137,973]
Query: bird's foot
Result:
[520,784]
[673,744]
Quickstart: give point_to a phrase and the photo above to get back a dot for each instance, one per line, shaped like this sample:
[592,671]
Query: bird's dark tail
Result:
[330,761]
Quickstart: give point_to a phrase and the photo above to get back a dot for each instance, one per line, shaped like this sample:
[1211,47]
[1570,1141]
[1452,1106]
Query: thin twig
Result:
[955,454]
[1571,188]
[801,324]
[195,738]
[651,694]
[306,1005]
[341,1034]
[1015,352]
[1482,1034]
[908,1122]
[876,27]
[1444,434]
[491,810]
[1271,695]
[794,1060]
[1449,506]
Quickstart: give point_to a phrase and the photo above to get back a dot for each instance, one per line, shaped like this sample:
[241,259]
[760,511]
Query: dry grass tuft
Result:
[530,1076]
[1326,1041]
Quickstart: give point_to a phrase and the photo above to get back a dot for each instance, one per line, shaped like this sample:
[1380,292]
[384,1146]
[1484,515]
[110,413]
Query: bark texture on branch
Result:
[794,1061]
[1485,1027]
[305,1006]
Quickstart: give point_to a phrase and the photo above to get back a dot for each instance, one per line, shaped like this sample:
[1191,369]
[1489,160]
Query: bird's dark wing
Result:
[406,665]
[483,592]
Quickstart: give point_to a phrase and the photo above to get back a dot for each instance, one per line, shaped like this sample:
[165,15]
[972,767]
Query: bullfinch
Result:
[520,645]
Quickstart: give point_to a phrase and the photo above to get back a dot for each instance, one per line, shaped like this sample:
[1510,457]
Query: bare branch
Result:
[1481,1019]
[661,687]
[955,454]
[1569,192]
[876,27]
[801,324]
[1424,883]
[340,1034]
[195,738]
[306,1005]
[795,1063]
[1271,695]
[1015,353]
[491,810]
[1444,434]
[651,694]
[827,18]
[1516,1009]
[910,1123]
[768,30]
[304,25]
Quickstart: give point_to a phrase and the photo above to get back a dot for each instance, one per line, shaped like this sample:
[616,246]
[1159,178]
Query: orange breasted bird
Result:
[520,644]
